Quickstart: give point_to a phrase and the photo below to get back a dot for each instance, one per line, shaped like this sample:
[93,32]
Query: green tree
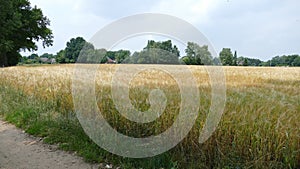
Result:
[226,57]
[275,61]
[254,62]
[33,56]
[186,60]
[291,59]
[111,55]
[74,47]
[296,61]
[122,55]
[100,53]
[92,56]
[47,55]
[21,26]
[198,55]
[134,58]
[285,60]
[245,63]
[234,59]
[155,53]
[60,57]
[216,61]
[159,53]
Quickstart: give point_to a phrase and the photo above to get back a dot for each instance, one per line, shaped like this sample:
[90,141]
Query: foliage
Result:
[122,55]
[47,55]
[45,58]
[61,57]
[21,26]
[234,59]
[226,57]
[99,56]
[31,59]
[119,56]
[156,53]
[296,61]
[285,60]
[197,55]
[88,54]
[244,61]
[74,47]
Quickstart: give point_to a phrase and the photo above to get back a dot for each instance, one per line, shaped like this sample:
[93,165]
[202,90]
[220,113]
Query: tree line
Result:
[154,53]
[22,26]
[227,58]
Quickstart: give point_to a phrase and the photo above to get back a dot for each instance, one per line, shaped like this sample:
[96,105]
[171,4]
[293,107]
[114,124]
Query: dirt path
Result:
[21,151]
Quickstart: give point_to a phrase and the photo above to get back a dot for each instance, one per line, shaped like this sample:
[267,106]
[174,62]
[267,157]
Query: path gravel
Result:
[19,150]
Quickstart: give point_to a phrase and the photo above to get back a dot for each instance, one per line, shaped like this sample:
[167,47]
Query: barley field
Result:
[260,126]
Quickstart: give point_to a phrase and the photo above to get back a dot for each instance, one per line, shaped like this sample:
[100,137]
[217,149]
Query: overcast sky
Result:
[255,28]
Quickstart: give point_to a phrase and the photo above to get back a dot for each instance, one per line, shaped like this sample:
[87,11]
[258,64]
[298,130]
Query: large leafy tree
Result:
[245,61]
[159,53]
[197,55]
[226,57]
[74,46]
[21,27]
[296,61]
[47,55]
[121,55]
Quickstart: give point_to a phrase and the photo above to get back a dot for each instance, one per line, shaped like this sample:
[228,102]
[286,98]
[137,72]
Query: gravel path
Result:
[21,151]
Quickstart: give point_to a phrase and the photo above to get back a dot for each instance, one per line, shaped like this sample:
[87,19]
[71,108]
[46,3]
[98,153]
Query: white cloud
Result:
[69,19]
[256,28]
[194,11]
[260,29]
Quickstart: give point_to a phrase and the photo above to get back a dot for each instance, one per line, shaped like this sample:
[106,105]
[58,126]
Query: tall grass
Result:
[259,127]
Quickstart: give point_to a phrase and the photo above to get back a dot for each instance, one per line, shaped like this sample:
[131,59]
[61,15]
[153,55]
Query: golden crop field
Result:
[260,126]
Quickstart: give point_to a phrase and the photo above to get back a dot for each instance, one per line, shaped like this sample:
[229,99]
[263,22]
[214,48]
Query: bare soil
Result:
[19,150]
